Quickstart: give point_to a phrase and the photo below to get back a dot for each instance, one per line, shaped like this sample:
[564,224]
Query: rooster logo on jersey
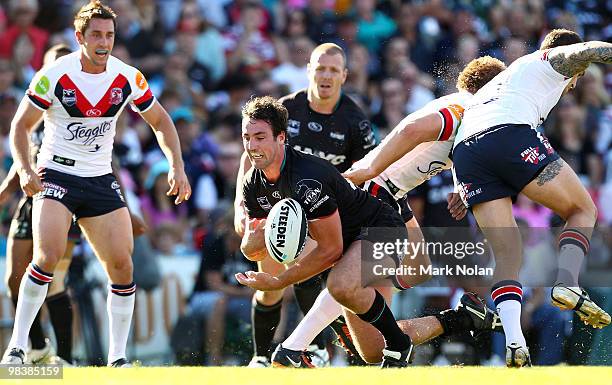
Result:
[116,96]
[69,97]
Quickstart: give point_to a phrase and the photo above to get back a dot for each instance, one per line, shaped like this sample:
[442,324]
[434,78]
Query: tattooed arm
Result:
[572,59]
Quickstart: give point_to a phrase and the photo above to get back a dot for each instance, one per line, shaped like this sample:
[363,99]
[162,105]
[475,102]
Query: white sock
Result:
[510,314]
[323,312]
[120,309]
[32,293]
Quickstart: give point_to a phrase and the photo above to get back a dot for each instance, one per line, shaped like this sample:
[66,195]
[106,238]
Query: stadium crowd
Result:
[205,58]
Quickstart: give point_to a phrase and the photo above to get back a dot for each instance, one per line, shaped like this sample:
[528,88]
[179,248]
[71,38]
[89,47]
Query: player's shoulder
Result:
[294,98]
[61,66]
[349,104]
[305,165]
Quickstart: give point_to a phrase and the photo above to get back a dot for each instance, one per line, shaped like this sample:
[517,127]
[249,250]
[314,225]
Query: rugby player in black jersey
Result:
[337,214]
[326,123]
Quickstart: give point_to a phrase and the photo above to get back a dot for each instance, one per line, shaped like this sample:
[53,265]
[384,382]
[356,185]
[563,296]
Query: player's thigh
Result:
[50,223]
[367,339]
[558,188]
[498,225]
[417,255]
[110,235]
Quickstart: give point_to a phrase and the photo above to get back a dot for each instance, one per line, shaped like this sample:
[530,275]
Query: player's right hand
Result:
[30,181]
[358,176]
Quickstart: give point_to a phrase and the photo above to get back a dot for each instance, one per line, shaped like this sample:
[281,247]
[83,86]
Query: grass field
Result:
[340,376]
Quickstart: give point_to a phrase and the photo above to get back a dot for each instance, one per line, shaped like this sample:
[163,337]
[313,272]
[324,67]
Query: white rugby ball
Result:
[285,231]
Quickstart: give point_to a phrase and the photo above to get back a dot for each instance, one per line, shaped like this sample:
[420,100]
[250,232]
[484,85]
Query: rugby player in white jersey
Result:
[498,153]
[393,182]
[80,97]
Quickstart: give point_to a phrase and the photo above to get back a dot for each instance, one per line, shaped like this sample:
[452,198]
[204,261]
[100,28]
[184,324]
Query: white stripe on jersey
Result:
[81,111]
[522,94]
[426,159]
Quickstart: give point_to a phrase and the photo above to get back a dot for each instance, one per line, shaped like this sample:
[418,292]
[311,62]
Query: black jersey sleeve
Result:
[361,137]
[316,191]
[249,192]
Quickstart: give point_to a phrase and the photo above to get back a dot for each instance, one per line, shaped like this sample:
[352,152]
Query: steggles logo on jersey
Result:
[69,97]
[315,126]
[293,127]
[309,190]
[434,168]
[532,155]
[89,135]
[116,96]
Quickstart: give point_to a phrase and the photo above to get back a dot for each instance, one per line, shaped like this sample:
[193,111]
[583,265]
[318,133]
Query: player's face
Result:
[326,75]
[572,83]
[262,148]
[96,44]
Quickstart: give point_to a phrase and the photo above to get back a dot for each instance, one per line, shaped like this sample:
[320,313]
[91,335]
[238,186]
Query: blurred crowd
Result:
[204,58]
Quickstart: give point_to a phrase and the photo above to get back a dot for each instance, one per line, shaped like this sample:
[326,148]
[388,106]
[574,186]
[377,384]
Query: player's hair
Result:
[559,37]
[94,10]
[329,49]
[479,72]
[56,52]
[269,110]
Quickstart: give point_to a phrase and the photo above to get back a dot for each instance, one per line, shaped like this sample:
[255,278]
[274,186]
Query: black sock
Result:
[379,315]
[60,312]
[453,322]
[264,320]
[306,294]
[37,336]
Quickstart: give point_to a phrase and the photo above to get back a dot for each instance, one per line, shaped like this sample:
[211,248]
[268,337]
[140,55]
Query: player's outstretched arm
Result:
[26,118]
[239,211]
[408,134]
[572,59]
[168,140]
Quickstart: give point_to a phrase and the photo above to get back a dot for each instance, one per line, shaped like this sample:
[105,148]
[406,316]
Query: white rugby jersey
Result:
[522,94]
[81,111]
[426,159]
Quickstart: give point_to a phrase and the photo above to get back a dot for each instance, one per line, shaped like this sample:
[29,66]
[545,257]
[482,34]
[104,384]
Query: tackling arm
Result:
[573,59]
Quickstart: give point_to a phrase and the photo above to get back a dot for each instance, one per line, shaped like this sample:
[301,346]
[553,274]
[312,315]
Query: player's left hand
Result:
[179,185]
[455,206]
[259,281]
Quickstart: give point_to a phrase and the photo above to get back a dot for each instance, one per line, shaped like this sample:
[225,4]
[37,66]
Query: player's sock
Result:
[508,296]
[381,317]
[120,307]
[32,293]
[573,246]
[60,312]
[325,310]
[264,320]
[37,336]
[306,294]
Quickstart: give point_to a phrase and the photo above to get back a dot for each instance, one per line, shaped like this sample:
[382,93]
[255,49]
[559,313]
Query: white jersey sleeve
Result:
[524,93]
[141,99]
[427,159]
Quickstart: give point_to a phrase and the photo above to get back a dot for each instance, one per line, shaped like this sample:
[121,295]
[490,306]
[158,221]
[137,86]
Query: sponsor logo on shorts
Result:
[115,185]
[264,203]
[116,96]
[69,97]
[315,126]
[544,140]
[309,190]
[532,155]
[52,190]
[293,127]
[466,192]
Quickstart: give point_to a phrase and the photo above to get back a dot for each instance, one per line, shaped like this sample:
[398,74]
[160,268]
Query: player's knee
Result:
[269,298]
[584,207]
[342,289]
[123,265]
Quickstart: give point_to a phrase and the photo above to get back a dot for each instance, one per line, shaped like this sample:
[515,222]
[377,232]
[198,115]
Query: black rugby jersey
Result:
[317,186]
[342,137]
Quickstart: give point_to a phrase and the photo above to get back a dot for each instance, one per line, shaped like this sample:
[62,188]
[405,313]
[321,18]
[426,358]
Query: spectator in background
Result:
[292,72]
[7,80]
[374,27]
[393,106]
[176,77]
[295,24]
[513,49]
[22,14]
[358,75]
[216,294]
[417,94]
[320,21]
